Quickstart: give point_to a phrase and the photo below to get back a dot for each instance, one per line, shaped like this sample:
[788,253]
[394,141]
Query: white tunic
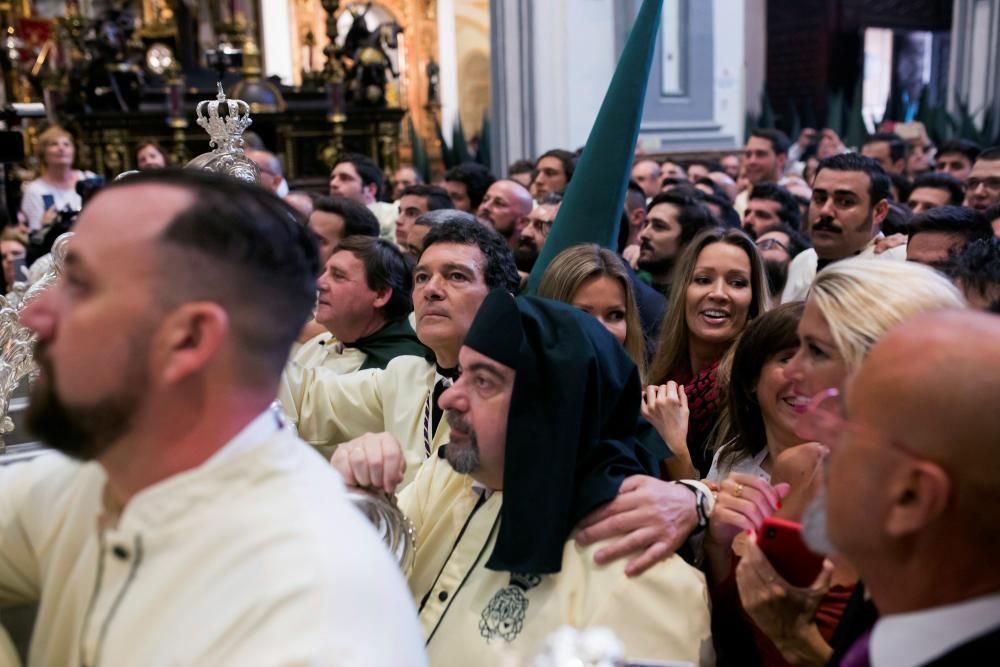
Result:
[256,557]
[802,270]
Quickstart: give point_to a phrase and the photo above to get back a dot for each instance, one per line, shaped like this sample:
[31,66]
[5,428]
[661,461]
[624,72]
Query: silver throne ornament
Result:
[225,121]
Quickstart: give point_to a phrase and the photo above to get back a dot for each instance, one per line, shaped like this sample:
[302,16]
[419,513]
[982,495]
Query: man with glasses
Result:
[778,245]
[913,499]
[983,187]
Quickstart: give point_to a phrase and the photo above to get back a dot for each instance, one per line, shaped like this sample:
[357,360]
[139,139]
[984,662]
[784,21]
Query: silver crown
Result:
[225,138]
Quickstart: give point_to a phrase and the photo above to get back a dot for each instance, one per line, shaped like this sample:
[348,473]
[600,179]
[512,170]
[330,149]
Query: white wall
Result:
[731,60]
[276,25]
[574,59]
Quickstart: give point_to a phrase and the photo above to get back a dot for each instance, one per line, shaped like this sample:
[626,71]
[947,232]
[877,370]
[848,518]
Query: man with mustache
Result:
[849,202]
[183,521]
[462,260]
[541,422]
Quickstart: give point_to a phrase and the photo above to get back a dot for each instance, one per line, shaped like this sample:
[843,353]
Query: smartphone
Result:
[20,270]
[781,541]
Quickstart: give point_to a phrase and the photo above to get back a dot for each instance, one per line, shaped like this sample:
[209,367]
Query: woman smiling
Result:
[719,286]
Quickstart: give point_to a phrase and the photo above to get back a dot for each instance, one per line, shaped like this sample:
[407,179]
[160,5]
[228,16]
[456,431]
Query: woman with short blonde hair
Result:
[580,275]
[55,189]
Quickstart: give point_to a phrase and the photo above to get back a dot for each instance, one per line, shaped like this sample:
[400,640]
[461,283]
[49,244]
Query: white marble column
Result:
[974,70]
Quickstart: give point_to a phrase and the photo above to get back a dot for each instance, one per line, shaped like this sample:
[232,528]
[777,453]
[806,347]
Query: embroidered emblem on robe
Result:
[503,617]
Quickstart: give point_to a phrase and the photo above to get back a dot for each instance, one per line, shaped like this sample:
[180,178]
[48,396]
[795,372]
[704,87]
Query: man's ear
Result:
[189,339]
[371,190]
[880,212]
[382,297]
[918,498]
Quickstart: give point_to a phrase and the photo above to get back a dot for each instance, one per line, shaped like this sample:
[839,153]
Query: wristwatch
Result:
[704,501]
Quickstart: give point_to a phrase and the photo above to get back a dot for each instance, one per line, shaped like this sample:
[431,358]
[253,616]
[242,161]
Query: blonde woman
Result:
[55,189]
[719,286]
[850,305]
[595,280]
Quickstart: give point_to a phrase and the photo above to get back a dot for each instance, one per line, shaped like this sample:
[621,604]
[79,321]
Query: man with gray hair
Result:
[271,176]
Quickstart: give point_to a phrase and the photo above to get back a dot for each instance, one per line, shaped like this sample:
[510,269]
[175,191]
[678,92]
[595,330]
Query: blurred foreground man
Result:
[184,523]
[541,419]
[913,500]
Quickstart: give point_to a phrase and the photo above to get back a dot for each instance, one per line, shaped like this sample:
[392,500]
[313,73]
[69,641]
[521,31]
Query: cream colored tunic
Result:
[323,350]
[255,557]
[472,615]
[328,408]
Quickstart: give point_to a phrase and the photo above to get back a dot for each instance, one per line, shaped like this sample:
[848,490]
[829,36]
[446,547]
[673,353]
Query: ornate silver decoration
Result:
[17,341]
[390,523]
[225,121]
[592,647]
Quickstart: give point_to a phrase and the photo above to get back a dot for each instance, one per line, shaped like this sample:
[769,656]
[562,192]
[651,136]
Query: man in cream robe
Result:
[532,450]
[187,525]
[462,260]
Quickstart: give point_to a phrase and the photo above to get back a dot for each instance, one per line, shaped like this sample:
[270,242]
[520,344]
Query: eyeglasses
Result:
[992,183]
[823,422]
[771,244]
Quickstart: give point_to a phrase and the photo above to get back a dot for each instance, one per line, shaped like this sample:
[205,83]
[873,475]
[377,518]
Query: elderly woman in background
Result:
[55,189]
[595,280]
[851,304]
[719,287]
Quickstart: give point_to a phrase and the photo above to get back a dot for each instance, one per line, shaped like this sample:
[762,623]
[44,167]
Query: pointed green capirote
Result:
[592,208]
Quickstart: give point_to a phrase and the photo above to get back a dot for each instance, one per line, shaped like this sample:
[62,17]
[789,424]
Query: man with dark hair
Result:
[467,185]
[506,207]
[992,215]
[779,244]
[461,261]
[364,304]
[414,201]
[982,189]
[956,158]
[336,218]
[763,161]
[849,202]
[769,204]
[697,169]
[976,271]
[541,433]
[160,349]
[357,177]
[422,226]
[672,220]
[635,212]
[888,149]
[646,174]
[937,234]
[935,189]
[553,172]
[522,171]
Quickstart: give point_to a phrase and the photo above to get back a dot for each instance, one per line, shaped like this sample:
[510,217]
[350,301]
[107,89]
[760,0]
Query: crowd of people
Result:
[790,343]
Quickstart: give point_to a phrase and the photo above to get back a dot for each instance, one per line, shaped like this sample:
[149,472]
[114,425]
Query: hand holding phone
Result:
[781,541]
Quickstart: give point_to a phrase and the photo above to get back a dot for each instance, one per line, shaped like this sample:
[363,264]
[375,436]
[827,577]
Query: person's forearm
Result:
[681,467]
[805,648]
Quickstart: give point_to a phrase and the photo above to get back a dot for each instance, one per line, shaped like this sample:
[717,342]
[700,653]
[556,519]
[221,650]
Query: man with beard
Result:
[461,261]
[849,202]
[913,500]
[159,350]
[768,205]
[544,389]
[506,207]
[779,245]
[535,232]
[673,218]
[364,303]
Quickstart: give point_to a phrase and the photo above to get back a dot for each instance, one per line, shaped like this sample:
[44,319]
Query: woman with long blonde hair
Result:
[595,280]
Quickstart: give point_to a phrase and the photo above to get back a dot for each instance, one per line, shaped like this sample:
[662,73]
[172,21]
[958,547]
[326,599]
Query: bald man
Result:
[647,174]
[506,207]
[913,495]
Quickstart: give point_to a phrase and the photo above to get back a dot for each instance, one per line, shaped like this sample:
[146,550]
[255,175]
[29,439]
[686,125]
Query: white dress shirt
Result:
[916,638]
